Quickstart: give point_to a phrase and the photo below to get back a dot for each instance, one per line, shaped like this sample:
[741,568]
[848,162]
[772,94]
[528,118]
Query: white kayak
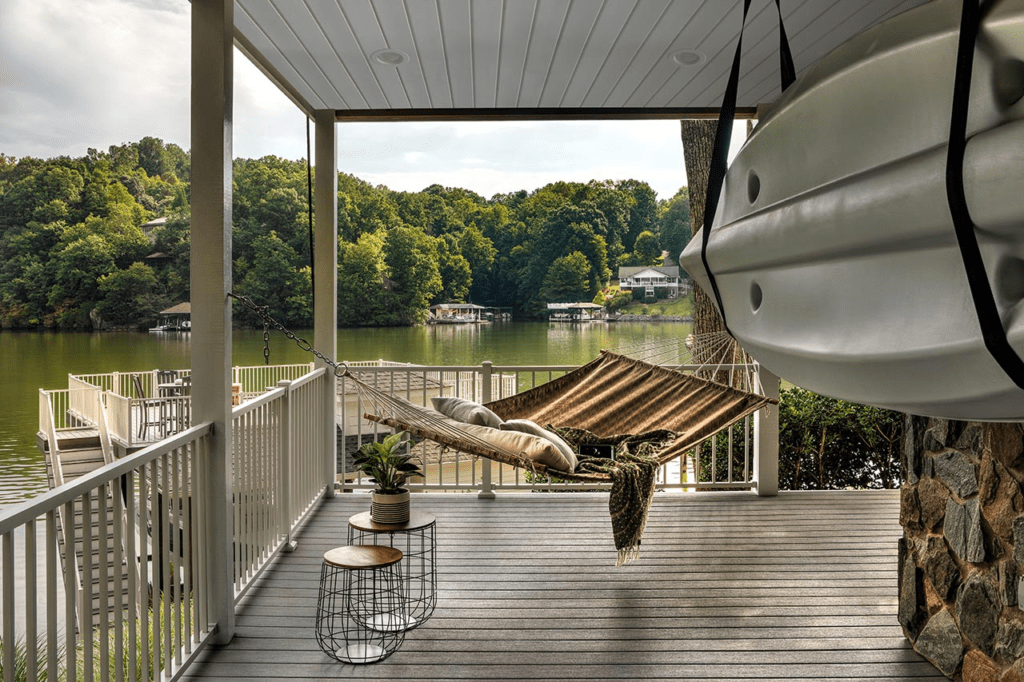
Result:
[833,246]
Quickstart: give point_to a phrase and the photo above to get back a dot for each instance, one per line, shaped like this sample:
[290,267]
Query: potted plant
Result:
[388,464]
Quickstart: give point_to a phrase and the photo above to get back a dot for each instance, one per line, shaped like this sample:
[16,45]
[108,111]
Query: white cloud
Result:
[93,73]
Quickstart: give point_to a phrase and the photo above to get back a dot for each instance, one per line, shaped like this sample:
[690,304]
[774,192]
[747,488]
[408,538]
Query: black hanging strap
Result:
[723,135]
[309,215]
[786,66]
[992,331]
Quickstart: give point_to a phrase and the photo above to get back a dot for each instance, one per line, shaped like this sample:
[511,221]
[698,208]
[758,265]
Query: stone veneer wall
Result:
[962,551]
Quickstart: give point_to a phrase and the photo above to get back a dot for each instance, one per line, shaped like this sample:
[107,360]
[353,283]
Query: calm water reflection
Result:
[33,360]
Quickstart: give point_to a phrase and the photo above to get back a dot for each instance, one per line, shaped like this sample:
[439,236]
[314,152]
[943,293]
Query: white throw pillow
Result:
[466,411]
[527,426]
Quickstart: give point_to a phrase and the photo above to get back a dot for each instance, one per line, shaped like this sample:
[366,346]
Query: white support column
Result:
[325,277]
[212,74]
[766,438]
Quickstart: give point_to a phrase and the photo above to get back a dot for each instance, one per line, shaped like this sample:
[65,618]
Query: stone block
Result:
[940,643]
[1007,573]
[962,530]
[957,471]
[1015,673]
[1010,636]
[979,668]
[910,452]
[910,509]
[932,496]
[1001,498]
[936,435]
[911,594]
[1018,540]
[971,440]
[1006,443]
[940,568]
[978,607]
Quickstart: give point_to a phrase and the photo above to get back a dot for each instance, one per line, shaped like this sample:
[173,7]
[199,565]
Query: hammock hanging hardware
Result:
[340,368]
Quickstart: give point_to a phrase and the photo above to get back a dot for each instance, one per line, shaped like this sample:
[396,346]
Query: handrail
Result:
[16,515]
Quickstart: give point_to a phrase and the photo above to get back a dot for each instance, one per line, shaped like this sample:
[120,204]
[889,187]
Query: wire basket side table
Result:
[361,610]
[419,545]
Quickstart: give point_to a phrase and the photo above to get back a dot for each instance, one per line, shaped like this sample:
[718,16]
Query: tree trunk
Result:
[698,137]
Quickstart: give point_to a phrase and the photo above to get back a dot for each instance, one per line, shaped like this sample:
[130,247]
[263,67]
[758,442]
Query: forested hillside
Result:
[73,254]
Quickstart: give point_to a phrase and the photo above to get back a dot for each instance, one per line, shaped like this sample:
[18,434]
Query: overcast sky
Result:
[76,74]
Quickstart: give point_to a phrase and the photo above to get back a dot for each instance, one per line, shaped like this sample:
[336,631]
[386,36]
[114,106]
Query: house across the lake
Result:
[653,279]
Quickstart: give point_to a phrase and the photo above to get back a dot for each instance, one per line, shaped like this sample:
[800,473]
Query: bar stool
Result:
[361,612]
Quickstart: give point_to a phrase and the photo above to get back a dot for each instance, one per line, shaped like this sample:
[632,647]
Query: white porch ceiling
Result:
[540,58]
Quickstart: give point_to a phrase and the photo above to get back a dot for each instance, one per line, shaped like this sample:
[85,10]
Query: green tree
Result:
[75,270]
[567,280]
[675,223]
[479,252]
[456,275]
[647,250]
[827,444]
[361,281]
[273,280]
[129,296]
[411,260]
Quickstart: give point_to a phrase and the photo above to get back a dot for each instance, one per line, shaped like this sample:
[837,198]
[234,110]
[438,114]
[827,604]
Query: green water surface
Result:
[33,360]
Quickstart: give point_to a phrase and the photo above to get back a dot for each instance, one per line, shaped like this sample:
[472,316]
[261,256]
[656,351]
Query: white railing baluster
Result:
[157,523]
[51,594]
[145,559]
[9,635]
[102,555]
[85,625]
[118,591]
[31,603]
[165,498]
[178,537]
[70,588]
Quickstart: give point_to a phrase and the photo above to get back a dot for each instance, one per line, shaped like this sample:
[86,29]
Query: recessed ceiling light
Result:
[389,57]
[687,58]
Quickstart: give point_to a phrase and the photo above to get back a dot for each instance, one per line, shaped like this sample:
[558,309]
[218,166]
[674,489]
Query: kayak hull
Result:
[833,246]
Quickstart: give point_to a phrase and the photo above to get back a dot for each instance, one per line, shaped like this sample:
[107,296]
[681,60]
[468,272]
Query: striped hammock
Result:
[613,394]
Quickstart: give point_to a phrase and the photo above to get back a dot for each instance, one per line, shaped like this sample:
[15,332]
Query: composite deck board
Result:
[728,587]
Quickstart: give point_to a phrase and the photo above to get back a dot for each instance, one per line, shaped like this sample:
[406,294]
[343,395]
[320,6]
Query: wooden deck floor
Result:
[729,587]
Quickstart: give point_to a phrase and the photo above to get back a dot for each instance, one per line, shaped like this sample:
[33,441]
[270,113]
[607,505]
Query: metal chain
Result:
[340,368]
[266,335]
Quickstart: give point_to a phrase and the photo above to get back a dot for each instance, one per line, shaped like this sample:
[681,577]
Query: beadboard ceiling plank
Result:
[251,21]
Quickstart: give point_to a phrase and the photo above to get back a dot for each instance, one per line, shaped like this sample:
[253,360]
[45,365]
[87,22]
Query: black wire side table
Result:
[418,542]
[361,611]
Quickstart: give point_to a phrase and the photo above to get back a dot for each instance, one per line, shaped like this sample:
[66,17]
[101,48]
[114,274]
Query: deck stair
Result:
[68,465]
[71,439]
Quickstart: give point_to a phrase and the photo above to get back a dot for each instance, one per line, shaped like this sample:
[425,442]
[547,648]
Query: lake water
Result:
[33,360]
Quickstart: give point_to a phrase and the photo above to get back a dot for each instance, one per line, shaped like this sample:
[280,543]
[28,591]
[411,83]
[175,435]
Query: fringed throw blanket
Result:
[633,473]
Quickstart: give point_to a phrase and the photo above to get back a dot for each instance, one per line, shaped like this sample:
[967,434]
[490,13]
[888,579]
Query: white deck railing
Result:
[106,577]
[143,533]
[278,451]
[725,461]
